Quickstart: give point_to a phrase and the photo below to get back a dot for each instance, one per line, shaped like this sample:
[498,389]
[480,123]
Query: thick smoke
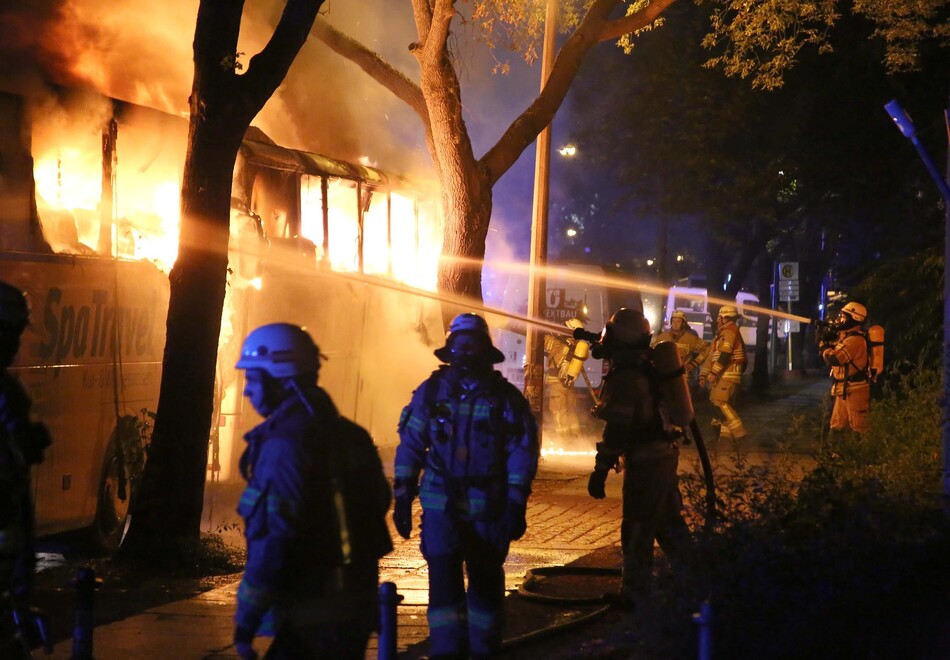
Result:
[141,51]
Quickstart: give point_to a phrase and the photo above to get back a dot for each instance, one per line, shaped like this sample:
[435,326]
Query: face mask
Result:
[468,353]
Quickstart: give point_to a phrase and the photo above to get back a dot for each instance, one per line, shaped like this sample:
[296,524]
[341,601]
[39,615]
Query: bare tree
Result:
[167,511]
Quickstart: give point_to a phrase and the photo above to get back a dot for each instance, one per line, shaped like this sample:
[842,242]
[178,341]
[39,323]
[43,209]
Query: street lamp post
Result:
[909,131]
[534,340]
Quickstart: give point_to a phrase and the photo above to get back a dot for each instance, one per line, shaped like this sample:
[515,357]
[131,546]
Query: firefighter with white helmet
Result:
[844,348]
[692,348]
[314,509]
[638,431]
[723,370]
[565,360]
[472,436]
[22,443]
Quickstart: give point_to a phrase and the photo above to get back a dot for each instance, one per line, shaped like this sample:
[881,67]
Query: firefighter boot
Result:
[732,422]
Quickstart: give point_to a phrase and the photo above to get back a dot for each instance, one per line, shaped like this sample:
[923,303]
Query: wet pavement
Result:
[564,525]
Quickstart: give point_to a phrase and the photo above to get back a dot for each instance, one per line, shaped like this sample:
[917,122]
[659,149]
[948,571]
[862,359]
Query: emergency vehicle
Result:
[694,302]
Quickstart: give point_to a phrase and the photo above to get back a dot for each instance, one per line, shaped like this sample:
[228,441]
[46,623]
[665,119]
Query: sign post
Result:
[788,290]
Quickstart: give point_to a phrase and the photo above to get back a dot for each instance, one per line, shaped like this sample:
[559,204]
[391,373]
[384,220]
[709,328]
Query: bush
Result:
[819,563]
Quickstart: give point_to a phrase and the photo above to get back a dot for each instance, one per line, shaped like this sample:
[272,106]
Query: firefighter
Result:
[559,378]
[22,443]
[637,431]
[472,435]
[844,348]
[314,509]
[692,348]
[722,372]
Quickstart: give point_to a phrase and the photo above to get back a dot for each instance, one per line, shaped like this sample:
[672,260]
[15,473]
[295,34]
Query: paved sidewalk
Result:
[564,524]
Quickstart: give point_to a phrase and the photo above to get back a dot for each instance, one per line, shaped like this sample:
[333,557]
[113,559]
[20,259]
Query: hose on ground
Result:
[533,576]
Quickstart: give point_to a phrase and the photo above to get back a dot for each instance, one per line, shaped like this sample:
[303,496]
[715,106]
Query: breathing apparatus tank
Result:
[571,369]
[876,357]
[674,391]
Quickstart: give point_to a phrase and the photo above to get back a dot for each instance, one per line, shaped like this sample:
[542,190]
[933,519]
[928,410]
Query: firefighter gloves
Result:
[402,515]
[596,483]
[516,522]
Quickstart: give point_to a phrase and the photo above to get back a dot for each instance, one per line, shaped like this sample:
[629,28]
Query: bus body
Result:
[88,229]
[91,355]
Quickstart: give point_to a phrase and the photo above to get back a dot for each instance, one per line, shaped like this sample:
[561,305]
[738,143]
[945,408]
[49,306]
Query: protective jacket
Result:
[21,445]
[476,439]
[693,350]
[314,512]
[848,360]
[727,360]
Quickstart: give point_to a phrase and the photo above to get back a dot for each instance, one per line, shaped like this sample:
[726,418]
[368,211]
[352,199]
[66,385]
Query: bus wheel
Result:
[112,511]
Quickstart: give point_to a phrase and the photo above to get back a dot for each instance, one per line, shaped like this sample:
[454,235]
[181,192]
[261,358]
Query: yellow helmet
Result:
[574,323]
[728,312]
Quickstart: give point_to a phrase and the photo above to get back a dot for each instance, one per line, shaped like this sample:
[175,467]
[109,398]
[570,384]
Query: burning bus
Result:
[89,230]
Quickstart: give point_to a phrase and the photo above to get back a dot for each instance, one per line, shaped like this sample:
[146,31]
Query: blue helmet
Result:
[282,350]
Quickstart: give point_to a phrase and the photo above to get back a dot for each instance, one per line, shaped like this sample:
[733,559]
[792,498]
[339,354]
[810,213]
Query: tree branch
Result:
[267,69]
[422,13]
[525,129]
[377,68]
[434,46]
[638,21]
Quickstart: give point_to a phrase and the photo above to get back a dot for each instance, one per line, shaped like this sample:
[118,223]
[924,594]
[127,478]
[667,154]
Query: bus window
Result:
[344,231]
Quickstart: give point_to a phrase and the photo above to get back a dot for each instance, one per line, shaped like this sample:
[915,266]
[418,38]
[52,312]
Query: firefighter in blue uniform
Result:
[472,435]
[22,443]
[314,509]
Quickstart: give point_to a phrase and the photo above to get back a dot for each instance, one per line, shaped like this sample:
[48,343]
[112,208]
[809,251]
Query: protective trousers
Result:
[851,408]
[460,626]
[721,395]
[652,510]
[563,407]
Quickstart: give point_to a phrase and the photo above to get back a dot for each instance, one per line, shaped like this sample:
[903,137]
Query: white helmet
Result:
[679,314]
[856,311]
[280,349]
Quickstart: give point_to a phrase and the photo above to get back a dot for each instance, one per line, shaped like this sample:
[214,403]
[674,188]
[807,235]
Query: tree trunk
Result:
[167,510]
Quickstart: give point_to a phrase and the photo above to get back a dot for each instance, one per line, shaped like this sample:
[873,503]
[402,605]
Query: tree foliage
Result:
[764,39]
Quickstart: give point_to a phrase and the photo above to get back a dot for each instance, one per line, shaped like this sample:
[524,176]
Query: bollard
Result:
[86,584]
[388,601]
[703,619]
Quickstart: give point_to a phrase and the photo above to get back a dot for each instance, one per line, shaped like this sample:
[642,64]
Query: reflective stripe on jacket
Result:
[475,439]
[693,350]
[848,360]
[727,358]
[299,556]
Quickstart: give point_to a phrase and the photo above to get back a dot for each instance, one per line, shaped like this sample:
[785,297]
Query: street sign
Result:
[788,290]
[787,270]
